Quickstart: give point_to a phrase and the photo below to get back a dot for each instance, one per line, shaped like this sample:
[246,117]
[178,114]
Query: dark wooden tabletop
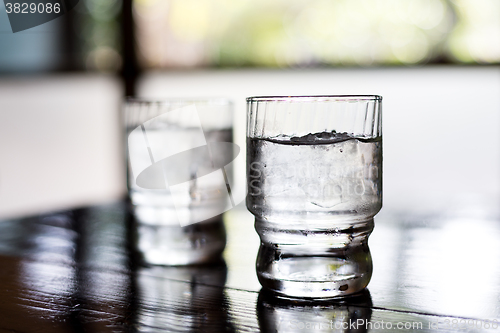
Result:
[74,271]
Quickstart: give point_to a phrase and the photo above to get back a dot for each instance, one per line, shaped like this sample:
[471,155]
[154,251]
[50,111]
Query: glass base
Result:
[316,264]
[173,245]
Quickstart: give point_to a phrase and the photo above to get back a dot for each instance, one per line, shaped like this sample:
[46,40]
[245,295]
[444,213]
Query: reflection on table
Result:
[75,271]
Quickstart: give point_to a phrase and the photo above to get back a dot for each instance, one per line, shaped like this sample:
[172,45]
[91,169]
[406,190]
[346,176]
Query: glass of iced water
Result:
[179,154]
[314,176]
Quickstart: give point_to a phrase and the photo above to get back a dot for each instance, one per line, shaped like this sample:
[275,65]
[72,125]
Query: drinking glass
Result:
[179,174]
[314,176]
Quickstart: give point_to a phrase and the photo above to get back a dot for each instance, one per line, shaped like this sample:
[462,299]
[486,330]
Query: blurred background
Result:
[435,62]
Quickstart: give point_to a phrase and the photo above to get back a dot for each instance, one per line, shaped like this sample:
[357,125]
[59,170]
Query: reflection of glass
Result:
[281,315]
[314,173]
[180,156]
[182,299]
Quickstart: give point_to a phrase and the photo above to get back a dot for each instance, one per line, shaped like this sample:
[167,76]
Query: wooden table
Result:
[72,271]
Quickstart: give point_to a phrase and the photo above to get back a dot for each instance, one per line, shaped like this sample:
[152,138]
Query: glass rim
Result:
[315,98]
[177,100]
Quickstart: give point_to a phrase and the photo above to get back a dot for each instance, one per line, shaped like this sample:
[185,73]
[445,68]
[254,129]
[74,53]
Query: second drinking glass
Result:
[180,155]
